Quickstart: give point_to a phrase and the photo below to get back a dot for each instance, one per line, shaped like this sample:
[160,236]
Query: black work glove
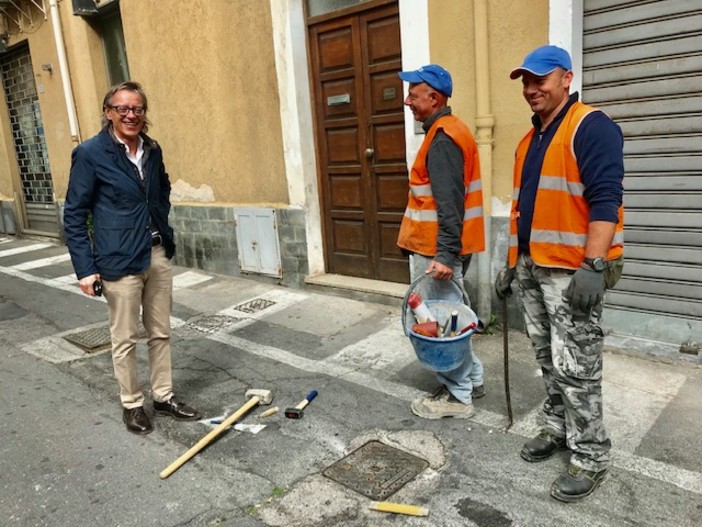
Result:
[503,281]
[586,289]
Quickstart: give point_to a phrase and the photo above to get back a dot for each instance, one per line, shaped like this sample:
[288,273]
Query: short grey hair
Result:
[127,86]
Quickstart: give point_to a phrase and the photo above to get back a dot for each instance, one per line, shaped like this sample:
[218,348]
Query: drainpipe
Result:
[484,122]
[65,76]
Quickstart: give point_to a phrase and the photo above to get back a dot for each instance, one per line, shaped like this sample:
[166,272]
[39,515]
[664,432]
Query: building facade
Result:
[287,144]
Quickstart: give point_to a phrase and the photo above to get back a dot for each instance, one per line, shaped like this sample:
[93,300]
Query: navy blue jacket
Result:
[105,182]
[598,149]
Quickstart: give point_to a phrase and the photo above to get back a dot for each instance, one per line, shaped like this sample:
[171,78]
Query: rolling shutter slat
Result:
[642,65]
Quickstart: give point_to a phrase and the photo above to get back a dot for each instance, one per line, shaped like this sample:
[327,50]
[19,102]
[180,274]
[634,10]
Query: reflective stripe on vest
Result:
[560,222]
[420,227]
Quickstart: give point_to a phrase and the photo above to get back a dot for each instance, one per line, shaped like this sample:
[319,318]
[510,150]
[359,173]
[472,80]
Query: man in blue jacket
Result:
[118,176]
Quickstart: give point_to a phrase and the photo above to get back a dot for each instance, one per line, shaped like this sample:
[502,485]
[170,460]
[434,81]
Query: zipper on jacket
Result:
[142,184]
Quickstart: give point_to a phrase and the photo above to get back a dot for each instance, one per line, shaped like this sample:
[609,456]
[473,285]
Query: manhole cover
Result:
[95,339]
[91,340]
[255,305]
[376,470]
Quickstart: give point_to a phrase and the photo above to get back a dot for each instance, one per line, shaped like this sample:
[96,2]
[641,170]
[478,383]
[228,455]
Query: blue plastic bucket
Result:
[440,354]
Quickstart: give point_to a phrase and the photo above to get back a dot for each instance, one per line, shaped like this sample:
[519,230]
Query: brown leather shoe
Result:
[176,409]
[136,420]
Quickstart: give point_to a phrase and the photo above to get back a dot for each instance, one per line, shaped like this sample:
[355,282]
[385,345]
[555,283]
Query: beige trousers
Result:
[152,293]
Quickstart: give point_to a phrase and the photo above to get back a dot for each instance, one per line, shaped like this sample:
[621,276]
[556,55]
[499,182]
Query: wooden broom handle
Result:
[229,421]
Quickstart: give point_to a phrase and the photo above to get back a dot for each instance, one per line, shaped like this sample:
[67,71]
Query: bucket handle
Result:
[414,284]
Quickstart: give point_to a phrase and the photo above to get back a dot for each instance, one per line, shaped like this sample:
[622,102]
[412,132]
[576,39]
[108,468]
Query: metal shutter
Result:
[642,64]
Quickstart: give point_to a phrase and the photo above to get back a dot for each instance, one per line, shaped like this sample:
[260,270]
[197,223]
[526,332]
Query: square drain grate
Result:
[95,339]
[91,340]
[255,305]
[376,470]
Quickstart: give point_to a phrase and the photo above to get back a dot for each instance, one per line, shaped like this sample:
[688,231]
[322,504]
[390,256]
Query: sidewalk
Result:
[231,334]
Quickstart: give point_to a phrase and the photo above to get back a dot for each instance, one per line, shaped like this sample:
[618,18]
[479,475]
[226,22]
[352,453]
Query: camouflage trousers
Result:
[568,345]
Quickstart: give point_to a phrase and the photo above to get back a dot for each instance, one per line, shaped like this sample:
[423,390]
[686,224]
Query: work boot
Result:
[542,447]
[441,404]
[576,483]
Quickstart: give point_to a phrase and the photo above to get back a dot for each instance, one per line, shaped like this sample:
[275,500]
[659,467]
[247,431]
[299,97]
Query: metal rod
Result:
[505,349]
[65,74]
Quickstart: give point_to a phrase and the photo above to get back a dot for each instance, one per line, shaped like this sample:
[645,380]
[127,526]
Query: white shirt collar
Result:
[137,158]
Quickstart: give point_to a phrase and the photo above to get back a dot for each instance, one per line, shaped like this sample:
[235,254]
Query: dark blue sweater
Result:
[598,149]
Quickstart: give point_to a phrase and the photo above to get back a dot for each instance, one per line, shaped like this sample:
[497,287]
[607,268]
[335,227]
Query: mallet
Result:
[255,397]
[296,413]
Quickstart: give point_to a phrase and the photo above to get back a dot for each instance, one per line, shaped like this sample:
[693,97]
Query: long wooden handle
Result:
[229,421]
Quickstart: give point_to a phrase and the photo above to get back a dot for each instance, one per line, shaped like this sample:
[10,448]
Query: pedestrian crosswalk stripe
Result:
[189,279]
[42,262]
[25,249]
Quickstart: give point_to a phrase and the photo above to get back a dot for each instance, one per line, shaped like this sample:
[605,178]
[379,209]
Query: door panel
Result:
[345,191]
[361,142]
[389,144]
[343,146]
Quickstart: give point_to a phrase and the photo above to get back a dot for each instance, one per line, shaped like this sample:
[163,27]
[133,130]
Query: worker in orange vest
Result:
[566,249]
[443,223]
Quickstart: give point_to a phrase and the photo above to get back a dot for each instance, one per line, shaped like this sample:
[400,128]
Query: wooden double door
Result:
[361,141]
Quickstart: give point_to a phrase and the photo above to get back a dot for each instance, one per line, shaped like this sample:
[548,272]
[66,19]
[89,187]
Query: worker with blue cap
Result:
[443,223]
[566,250]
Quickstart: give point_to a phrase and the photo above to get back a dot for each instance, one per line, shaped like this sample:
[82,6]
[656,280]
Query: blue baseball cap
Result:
[543,61]
[434,75]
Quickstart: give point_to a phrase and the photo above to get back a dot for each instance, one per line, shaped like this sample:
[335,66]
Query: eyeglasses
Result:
[124,110]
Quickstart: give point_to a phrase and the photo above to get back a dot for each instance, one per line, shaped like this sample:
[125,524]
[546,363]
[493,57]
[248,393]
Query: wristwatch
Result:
[597,264]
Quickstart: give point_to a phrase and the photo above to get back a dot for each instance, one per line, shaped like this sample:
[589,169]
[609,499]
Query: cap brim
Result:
[518,72]
[411,76]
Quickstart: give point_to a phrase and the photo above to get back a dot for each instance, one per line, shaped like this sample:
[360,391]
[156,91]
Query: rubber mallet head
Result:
[264,396]
[297,412]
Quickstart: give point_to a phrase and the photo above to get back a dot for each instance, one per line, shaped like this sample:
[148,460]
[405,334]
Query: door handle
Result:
[369,152]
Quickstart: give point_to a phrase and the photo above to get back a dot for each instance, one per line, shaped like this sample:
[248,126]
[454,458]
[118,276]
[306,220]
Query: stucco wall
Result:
[208,69]
[42,48]
[86,62]
[451,44]
[8,166]
[514,29]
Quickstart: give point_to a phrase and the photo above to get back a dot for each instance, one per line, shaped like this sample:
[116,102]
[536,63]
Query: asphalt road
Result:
[67,460]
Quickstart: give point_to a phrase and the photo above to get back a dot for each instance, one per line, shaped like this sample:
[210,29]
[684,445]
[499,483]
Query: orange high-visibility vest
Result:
[561,215]
[420,225]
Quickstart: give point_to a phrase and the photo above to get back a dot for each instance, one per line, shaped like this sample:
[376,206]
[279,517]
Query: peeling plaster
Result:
[182,191]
